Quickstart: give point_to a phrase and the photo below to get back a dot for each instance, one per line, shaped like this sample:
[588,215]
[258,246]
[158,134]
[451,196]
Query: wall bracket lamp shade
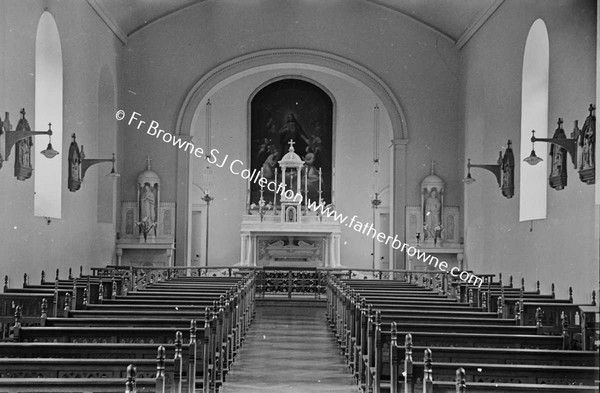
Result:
[503,170]
[569,144]
[78,165]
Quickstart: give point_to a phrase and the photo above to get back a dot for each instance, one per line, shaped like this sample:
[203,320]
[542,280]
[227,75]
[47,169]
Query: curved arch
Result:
[290,58]
[48,108]
[297,56]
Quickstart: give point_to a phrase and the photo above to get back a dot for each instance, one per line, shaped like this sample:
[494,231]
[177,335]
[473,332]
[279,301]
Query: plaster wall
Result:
[164,60]
[560,248]
[28,243]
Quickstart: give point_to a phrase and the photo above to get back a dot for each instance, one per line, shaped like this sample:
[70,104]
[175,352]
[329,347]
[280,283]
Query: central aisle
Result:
[289,349]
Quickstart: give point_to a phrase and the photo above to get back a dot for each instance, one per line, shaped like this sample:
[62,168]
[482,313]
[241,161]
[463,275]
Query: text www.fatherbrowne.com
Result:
[254,176]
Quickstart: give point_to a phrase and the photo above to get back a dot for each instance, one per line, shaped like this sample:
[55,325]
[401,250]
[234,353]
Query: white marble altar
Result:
[270,242]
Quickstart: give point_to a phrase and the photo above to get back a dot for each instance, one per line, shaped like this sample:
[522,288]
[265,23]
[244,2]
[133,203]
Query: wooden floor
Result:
[289,349]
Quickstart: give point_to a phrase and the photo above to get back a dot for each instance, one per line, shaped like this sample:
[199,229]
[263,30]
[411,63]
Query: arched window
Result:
[48,109]
[534,116]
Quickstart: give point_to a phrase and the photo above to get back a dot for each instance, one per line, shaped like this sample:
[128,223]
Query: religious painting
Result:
[292,112]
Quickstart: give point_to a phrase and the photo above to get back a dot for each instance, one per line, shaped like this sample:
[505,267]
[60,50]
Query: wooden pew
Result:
[90,375]
[224,323]
[482,376]
[369,341]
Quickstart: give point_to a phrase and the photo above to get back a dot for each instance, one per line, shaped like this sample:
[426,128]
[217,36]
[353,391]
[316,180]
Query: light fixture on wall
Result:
[494,168]
[78,165]
[569,144]
[87,163]
[503,171]
[9,137]
[533,159]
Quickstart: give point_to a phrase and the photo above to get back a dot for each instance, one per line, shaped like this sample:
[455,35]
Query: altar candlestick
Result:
[261,176]
[275,193]
[306,188]
[248,197]
[320,181]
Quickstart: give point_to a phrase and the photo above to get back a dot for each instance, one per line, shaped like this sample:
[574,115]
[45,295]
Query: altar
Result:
[314,242]
[285,232]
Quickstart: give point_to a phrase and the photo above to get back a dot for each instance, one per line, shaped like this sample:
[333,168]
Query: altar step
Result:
[289,349]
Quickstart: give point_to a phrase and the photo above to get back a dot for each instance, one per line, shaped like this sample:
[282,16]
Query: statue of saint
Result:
[587,143]
[558,154]
[148,203]
[433,208]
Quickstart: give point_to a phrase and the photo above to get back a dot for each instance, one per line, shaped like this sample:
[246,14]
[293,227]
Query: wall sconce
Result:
[503,171]
[581,147]
[78,165]
[10,138]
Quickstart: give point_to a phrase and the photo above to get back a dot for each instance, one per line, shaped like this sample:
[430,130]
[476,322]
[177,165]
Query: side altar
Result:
[147,226]
[287,233]
[434,227]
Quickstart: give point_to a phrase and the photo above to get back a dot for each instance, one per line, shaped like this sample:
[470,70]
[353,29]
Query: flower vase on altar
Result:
[145,228]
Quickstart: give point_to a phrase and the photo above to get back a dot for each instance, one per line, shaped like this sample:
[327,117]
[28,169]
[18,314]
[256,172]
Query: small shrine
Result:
[434,227]
[147,225]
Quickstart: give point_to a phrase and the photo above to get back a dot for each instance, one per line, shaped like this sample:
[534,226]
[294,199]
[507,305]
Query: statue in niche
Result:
[432,210]
[432,205]
[148,203]
[558,160]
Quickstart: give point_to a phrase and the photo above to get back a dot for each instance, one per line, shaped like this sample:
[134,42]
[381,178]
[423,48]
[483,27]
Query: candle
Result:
[275,193]
[261,176]
[320,180]
[248,197]
[306,187]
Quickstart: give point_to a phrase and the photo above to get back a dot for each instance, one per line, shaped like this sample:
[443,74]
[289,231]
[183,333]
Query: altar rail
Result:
[290,280]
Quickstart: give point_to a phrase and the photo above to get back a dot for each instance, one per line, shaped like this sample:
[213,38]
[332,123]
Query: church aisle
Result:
[289,349]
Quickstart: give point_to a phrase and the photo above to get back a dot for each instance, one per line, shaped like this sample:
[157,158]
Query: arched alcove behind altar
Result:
[228,122]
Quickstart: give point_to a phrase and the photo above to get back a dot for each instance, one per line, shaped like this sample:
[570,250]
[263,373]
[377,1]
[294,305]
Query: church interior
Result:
[234,149]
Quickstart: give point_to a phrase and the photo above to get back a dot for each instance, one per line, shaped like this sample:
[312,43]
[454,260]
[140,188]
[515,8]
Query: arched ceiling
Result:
[455,20]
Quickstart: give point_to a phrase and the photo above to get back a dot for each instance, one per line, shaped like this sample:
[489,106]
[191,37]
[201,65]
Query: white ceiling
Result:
[456,20]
